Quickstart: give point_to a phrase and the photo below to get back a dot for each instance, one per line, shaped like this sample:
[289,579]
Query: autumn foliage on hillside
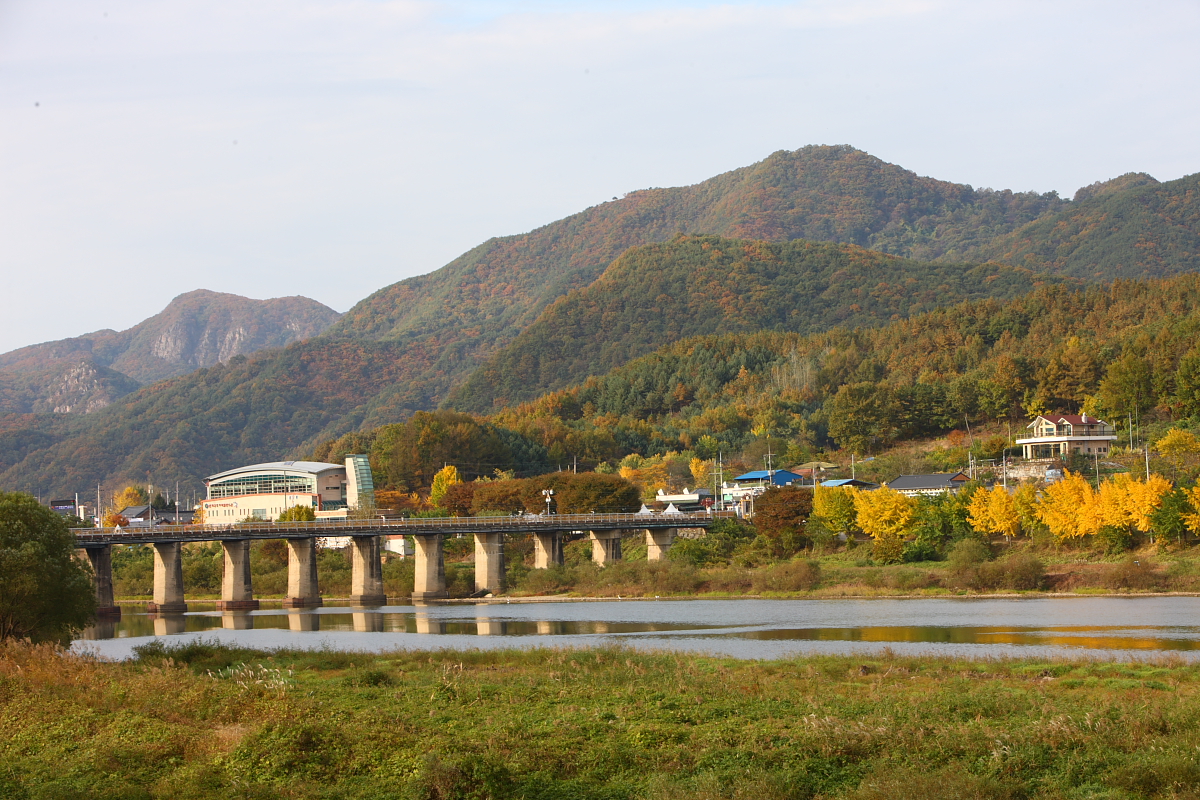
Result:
[696,285]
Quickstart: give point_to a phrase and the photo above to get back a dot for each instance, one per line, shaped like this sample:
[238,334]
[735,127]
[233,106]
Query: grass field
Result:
[208,721]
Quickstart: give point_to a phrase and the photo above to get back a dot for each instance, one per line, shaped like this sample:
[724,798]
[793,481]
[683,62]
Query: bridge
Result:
[237,592]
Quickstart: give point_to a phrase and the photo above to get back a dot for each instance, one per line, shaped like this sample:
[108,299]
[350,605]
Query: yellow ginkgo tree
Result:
[834,507]
[445,477]
[1128,503]
[994,512]
[886,516]
[1070,508]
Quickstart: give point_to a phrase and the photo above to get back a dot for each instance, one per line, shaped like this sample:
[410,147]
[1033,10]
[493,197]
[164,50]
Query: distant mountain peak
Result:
[1130,180]
[197,329]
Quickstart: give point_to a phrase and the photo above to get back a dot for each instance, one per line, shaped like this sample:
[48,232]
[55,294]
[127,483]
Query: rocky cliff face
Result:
[197,329]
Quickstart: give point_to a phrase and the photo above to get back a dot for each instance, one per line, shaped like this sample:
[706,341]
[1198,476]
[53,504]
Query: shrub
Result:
[1132,573]
[1015,571]
[790,576]
[964,560]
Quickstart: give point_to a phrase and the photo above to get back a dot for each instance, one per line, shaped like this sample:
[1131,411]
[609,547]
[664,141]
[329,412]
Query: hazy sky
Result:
[278,147]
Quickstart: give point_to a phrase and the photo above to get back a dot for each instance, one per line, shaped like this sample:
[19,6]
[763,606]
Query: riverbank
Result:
[205,721]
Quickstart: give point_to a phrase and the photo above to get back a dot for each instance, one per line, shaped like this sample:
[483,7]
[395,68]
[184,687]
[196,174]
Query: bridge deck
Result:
[526,523]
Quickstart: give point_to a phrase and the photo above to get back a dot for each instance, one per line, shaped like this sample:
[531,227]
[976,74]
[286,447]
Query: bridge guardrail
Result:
[524,523]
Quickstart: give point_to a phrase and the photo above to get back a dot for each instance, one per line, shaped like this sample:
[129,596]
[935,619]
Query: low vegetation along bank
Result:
[207,721]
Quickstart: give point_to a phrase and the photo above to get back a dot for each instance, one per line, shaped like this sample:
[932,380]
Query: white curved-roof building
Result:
[266,490]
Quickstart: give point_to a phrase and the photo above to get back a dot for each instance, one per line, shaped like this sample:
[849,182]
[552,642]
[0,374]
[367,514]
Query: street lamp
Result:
[548,494]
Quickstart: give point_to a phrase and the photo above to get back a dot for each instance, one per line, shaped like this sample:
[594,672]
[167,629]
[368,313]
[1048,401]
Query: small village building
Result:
[144,516]
[264,491]
[688,500]
[834,483]
[741,491]
[1056,436]
[930,485]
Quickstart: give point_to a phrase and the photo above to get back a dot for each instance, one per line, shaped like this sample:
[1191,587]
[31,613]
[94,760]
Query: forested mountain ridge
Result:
[1128,349]
[823,193]
[1133,227]
[465,311]
[1125,351]
[695,285]
[196,329]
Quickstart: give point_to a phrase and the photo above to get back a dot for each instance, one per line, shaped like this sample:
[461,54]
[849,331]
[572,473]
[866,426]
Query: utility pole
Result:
[721,473]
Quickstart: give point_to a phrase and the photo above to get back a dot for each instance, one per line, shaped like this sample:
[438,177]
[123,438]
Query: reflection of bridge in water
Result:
[237,593]
[363,620]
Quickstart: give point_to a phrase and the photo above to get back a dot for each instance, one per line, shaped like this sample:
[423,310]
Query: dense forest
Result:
[1129,350]
[405,348]
[695,285]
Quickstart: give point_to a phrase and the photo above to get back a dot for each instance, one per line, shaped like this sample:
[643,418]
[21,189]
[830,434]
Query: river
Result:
[1118,628]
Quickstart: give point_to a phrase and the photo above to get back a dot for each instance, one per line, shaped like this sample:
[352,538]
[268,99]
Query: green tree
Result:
[46,594]
[297,514]
[862,416]
[1127,387]
[1187,384]
[1168,519]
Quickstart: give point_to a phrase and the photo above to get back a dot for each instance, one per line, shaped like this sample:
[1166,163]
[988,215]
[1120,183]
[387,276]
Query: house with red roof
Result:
[1056,436]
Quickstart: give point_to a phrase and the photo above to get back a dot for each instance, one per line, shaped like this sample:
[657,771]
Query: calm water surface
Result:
[1110,628]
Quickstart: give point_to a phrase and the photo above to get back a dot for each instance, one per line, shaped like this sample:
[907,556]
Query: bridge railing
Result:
[523,523]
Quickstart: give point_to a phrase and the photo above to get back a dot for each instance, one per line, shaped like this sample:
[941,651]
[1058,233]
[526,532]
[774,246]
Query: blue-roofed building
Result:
[777,477]
[742,490]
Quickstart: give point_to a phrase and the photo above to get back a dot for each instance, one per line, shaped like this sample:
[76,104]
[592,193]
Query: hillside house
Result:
[1056,436]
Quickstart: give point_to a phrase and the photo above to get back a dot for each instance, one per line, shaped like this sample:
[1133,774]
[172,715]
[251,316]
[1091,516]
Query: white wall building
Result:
[264,491]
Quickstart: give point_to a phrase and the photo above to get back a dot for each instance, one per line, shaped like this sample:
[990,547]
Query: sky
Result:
[328,149]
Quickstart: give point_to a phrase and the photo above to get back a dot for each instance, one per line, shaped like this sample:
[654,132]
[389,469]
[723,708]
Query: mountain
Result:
[196,329]
[697,285]
[406,347]
[476,303]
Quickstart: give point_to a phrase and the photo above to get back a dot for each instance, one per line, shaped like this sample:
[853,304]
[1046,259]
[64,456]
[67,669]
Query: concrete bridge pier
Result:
[547,550]
[489,562]
[366,572]
[429,582]
[606,546]
[658,542]
[237,590]
[168,579]
[100,557]
[302,574]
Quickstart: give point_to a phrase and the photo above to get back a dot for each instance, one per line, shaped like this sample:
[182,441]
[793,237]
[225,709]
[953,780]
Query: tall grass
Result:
[203,720]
